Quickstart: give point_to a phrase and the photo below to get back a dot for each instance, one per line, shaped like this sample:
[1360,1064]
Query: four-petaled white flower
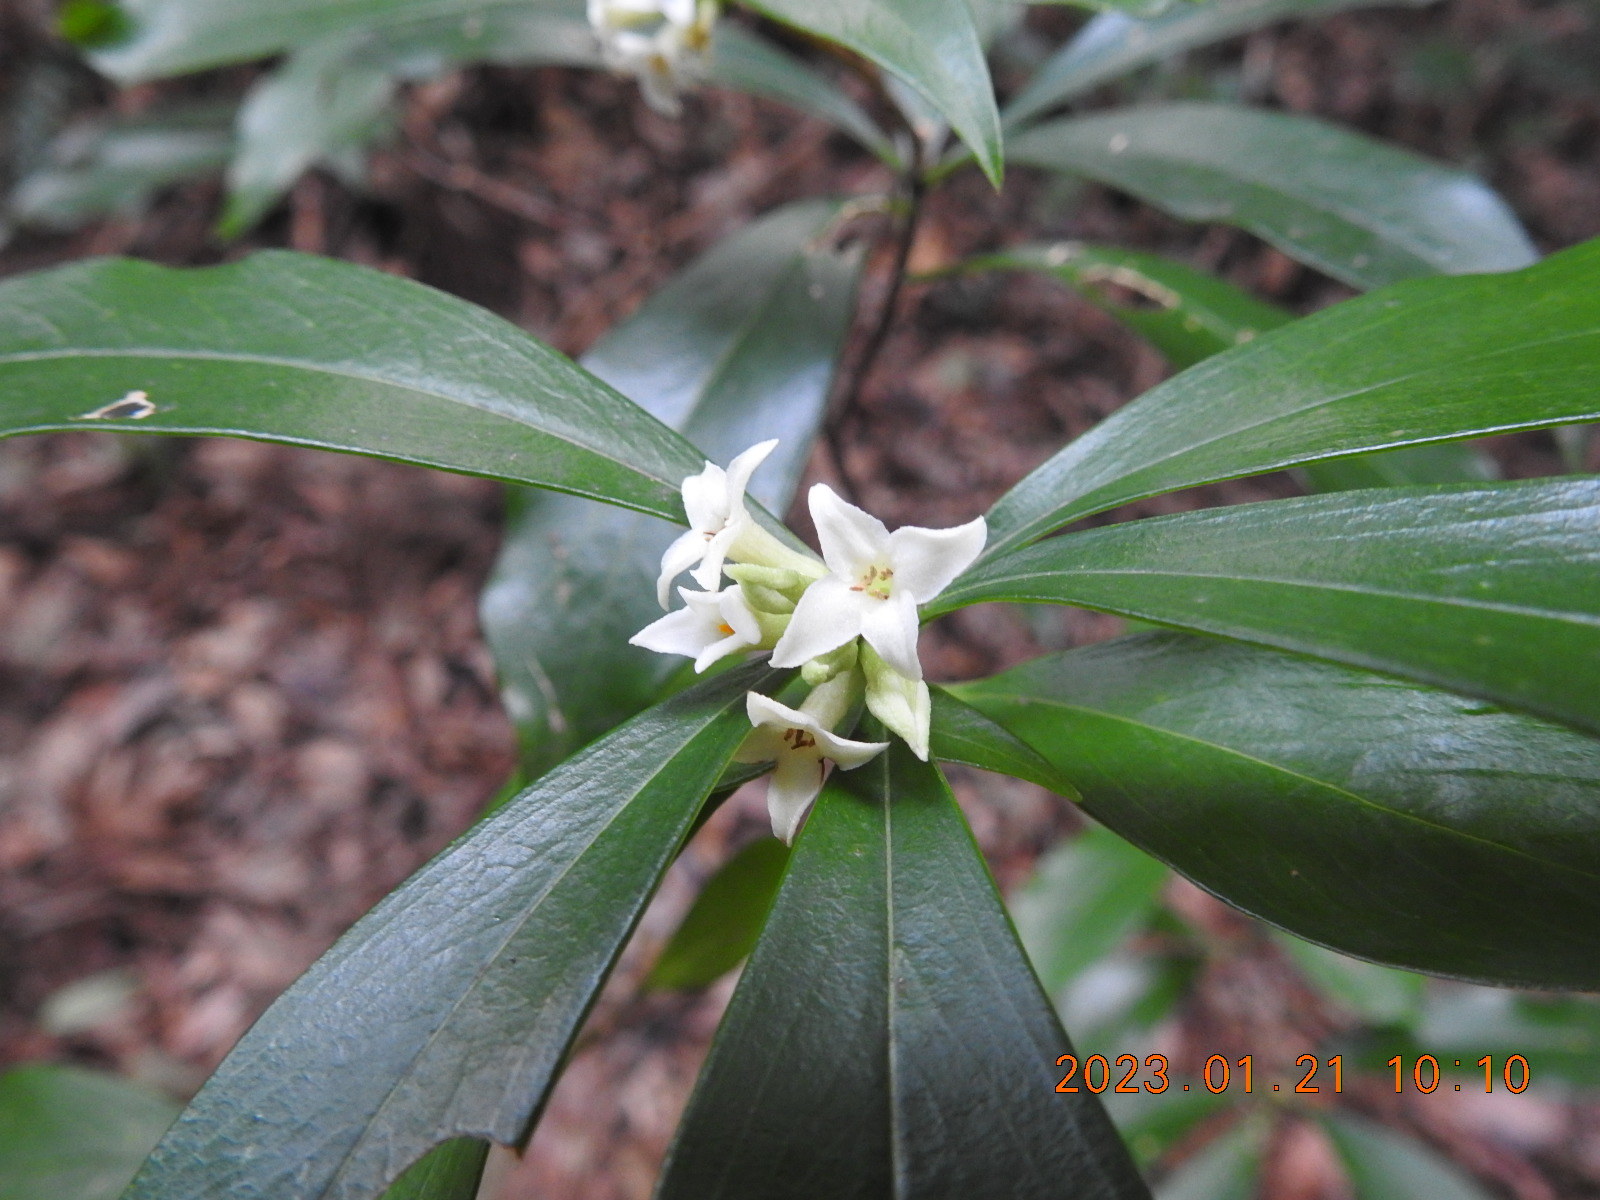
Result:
[711,625]
[664,43]
[876,580]
[714,502]
[797,743]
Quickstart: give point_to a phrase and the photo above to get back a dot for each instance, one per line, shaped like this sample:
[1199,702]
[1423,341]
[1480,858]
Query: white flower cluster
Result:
[849,622]
[665,44]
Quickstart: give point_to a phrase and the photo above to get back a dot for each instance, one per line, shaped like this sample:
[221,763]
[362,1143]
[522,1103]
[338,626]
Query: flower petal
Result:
[744,465]
[705,499]
[766,713]
[848,754]
[926,560]
[763,744]
[850,537]
[829,615]
[794,785]
[890,628]
[688,630]
[687,550]
[709,573]
[738,616]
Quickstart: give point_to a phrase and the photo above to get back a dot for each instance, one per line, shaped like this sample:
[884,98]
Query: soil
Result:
[242,688]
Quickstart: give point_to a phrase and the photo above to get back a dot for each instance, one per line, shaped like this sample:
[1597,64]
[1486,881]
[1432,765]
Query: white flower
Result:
[714,503]
[876,580]
[711,625]
[797,742]
[664,43]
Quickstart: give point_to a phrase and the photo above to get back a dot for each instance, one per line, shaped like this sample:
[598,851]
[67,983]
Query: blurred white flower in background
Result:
[665,44]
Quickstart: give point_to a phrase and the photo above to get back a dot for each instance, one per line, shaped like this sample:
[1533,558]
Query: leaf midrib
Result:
[471,986]
[313,368]
[1066,574]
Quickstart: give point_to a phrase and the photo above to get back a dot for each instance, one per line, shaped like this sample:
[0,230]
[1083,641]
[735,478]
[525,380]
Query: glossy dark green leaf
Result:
[71,1134]
[1383,1165]
[720,930]
[739,348]
[1083,899]
[1190,316]
[1430,360]
[102,168]
[1400,824]
[934,46]
[170,37]
[451,1171]
[317,107]
[961,734]
[447,1011]
[1228,1169]
[748,63]
[1363,211]
[310,351]
[887,1038]
[1115,43]
[1489,590]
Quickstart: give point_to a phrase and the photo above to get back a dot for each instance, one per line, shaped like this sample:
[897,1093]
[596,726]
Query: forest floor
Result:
[242,688]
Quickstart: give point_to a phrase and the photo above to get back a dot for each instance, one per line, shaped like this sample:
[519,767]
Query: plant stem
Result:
[847,397]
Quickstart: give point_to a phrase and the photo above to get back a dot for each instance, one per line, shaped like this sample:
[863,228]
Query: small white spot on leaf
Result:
[135,406]
[1118,143]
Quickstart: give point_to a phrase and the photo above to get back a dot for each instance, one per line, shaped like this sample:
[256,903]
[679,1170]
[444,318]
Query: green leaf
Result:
[70,1134]
[292,348]
[1488,590]
[1082,901]
[448,1010]
[118,166]
[1190,316]
[1377,995]
[960,733]
[887,1037]
[450,1171]
[1114,43]
[739,348]
[1425,361]
[317,107]
[935,46]
[1364,212]
[721,928]
[1399,824]
[1186,314]
[1228,1169]
[1382,1165]
[171,37]
[748,63]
